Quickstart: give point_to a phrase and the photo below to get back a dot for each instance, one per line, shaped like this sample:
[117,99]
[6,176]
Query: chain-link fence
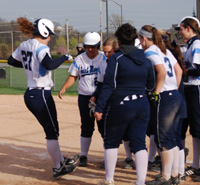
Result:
[16,78]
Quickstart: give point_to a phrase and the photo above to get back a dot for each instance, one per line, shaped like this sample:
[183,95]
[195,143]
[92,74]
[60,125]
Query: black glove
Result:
[153,99]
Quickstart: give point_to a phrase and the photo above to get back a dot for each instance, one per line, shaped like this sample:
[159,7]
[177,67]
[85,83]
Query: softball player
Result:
[128,73]
[34,56]
[109,47]
[176,51]
[189,29]
[168,99]
[85,67]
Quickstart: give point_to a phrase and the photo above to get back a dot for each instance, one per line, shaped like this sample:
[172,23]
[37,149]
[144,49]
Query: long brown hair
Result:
[192,24]
[157,39]
[25,26]
[176,51]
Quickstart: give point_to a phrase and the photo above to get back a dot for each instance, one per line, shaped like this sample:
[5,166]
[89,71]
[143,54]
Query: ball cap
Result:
[186,17]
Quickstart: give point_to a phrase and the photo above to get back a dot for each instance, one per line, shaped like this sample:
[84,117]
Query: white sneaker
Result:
[104,182]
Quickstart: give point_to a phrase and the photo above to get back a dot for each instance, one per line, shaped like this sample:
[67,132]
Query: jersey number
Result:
[169,71]
[27,58]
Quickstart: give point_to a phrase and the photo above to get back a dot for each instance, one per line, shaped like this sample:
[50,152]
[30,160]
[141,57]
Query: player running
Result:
[34,56]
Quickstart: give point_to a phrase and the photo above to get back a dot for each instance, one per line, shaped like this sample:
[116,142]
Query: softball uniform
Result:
[192,85]
[168,110]
[35,59]
[86,69]
[126,79]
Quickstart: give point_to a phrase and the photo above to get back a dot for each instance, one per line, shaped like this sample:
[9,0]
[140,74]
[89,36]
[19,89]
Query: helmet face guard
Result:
[92,39]
[44,28]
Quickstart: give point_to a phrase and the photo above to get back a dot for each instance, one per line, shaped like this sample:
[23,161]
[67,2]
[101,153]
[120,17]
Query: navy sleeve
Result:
[194,72]
[108,84]
[97,91]
[51,64]
[14,62]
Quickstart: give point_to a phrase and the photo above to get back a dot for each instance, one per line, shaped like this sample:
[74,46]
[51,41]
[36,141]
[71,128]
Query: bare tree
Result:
[115,21]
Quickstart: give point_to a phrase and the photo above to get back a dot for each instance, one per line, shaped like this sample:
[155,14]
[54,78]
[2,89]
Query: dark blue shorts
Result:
[40,102]
[128,118]
[168,116]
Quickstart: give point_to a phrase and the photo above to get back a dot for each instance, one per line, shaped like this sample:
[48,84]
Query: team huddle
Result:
[141,84]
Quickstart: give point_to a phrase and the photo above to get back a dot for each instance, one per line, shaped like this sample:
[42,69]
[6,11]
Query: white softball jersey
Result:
[86,69]
[154,54]
[102,71]
[192,57]
[31,53]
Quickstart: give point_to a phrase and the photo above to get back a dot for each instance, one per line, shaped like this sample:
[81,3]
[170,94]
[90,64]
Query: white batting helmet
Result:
[44,27]
[92,39]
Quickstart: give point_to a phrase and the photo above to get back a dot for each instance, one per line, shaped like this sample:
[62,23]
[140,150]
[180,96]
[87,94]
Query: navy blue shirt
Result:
[127,73]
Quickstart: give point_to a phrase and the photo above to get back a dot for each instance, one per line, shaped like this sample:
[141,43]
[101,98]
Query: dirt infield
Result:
[23,156]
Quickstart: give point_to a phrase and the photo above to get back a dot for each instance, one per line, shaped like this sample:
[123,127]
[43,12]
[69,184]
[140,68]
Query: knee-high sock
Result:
[141,162]
[196,152]
[152,149]
[127,149]
[175,164]
[181,168]
[85,145]
[54,151]
[110,156]
[167,161]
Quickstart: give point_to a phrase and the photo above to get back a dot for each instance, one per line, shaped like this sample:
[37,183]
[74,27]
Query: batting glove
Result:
[153,99]
[69,57]
[92,107]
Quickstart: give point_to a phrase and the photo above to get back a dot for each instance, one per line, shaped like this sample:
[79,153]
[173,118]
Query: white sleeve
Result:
[74,69]
[17,54]
[196,53]
[101,71]
[41,52]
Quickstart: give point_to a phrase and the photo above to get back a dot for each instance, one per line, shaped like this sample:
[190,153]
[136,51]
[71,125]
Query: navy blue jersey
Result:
[126,74]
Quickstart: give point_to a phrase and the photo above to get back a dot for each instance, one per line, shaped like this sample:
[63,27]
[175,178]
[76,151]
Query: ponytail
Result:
[25,26]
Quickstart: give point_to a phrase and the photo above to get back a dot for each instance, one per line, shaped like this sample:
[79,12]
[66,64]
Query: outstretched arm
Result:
[69,82]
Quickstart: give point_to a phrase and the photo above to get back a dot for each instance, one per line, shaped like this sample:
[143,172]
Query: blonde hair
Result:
[156,37]
[25,26]
[111,42]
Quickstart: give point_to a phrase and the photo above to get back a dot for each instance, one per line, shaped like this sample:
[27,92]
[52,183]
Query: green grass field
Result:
[16,81]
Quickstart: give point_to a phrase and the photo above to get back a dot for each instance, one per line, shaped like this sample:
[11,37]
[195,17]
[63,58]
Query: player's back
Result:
[31,54]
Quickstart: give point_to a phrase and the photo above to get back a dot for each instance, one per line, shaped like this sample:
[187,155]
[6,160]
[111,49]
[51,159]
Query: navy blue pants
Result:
[129,118]
[192,94]
[40,102]
[168,117]
[87,122]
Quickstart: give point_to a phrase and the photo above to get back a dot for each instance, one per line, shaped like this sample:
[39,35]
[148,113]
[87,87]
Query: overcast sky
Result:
[84,15]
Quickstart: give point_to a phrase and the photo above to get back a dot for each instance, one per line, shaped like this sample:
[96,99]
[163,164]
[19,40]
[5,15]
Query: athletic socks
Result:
[110,156]
[141,162]
[181,168]
[167,162]
[175,164]
[85,145]
[54,151]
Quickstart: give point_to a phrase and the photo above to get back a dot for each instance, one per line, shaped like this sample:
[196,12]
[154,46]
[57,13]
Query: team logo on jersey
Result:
[88,71]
